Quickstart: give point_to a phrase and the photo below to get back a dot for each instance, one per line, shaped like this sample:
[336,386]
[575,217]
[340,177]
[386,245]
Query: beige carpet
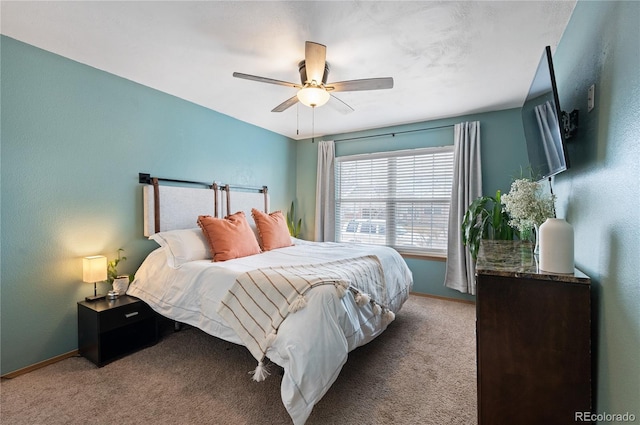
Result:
[422,370]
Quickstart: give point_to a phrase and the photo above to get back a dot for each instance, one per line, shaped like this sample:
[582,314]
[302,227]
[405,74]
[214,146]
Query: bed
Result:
[304,306]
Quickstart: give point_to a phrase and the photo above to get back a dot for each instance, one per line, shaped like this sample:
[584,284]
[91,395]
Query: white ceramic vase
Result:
[556,246]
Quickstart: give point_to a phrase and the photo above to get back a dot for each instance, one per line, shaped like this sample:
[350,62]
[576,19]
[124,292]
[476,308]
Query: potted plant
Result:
[527,208]
[485,219]
[294,227]
[119,283]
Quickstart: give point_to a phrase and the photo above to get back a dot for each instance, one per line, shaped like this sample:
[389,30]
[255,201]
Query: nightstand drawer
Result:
[123,316]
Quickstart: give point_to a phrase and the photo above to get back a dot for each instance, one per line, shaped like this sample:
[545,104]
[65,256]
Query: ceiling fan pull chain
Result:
[313,124]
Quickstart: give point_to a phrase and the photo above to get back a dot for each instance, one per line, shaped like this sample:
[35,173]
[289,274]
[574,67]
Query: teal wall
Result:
[74,138]
[73,142]
[503,154]
[600,194]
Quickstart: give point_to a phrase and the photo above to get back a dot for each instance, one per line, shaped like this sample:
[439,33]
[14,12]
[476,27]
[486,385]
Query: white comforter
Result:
[312,345]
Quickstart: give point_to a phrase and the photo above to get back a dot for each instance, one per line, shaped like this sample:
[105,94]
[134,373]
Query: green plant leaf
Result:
[293,226]
[485,219]
[112,266]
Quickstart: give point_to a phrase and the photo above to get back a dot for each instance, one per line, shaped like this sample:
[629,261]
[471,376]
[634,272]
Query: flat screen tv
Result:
[542,121]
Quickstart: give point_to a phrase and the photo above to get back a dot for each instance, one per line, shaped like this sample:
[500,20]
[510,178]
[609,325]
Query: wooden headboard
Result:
[170,204]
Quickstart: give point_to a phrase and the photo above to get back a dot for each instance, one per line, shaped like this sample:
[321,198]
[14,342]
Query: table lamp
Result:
[94,269]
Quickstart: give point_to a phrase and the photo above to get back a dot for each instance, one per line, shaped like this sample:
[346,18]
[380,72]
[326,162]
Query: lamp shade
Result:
[313,96]
[94,268]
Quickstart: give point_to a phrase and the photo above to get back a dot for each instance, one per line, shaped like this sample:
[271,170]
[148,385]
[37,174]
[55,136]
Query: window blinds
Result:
[399,198]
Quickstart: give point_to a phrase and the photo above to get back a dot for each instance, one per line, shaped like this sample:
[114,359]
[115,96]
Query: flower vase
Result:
[535,234]
[556,246]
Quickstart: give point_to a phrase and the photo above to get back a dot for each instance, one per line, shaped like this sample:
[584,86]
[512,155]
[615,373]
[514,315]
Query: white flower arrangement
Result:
[527,206]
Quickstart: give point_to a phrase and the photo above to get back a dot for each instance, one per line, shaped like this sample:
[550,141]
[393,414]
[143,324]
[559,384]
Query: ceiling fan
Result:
[314,90]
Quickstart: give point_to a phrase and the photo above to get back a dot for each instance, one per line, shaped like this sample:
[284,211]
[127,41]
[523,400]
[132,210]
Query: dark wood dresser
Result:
[533,333]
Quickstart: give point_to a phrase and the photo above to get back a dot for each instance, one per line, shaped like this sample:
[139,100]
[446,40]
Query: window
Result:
[400,199]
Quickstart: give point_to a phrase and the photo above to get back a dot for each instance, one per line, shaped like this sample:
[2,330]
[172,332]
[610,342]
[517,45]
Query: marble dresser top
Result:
[516,259]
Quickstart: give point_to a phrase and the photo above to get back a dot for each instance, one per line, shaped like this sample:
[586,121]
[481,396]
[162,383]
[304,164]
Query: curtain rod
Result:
[393,134]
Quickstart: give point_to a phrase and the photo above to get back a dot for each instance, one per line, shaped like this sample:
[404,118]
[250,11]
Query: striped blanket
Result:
[261,299]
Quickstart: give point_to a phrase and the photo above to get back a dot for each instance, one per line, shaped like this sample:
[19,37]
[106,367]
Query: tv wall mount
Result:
[569,123]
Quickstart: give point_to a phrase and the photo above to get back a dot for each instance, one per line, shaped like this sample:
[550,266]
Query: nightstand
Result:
[110,329]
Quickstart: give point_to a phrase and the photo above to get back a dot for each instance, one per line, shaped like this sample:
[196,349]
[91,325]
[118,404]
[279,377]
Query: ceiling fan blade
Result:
[265,80]
[340,106]
[286,104]
[315,57]
[359,85]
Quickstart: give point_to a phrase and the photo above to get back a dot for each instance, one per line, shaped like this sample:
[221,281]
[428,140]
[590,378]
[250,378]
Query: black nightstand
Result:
[109,329]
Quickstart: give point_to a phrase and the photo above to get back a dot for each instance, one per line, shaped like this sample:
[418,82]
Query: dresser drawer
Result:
[124,315]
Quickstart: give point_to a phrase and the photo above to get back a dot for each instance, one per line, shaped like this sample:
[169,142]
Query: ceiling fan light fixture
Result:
[313,96]
[313,89]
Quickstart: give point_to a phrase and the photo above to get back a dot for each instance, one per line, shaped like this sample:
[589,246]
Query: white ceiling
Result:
[447,58]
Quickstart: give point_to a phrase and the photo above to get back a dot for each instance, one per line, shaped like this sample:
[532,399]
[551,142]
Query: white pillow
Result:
[183,246]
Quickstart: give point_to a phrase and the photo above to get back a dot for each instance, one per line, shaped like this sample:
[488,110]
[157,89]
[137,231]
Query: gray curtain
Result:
[325,193]
[467,186]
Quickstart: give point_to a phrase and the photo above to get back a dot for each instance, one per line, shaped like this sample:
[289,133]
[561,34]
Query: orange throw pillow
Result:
[272,229]
[230,237]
